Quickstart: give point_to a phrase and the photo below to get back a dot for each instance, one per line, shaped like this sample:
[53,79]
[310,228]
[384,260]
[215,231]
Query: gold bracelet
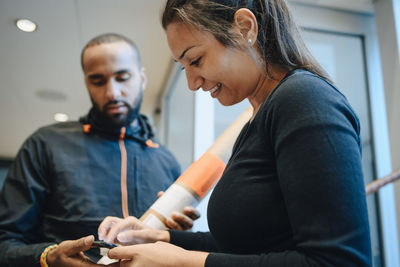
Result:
[43,256]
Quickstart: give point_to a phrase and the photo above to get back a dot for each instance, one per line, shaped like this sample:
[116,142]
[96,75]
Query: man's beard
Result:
[118,120]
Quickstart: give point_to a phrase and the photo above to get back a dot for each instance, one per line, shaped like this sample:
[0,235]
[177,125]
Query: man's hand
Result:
[70,253]
[181,221]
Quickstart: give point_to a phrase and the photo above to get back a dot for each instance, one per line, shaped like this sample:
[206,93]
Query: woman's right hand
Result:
[129,231]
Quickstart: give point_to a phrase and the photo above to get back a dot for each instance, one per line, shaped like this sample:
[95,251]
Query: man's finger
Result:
[106,225]
[73,247]
[78,260]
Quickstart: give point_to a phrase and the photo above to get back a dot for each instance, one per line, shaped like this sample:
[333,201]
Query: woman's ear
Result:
[245,21]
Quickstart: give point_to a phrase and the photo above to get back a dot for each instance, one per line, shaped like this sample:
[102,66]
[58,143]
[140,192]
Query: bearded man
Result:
[68,176]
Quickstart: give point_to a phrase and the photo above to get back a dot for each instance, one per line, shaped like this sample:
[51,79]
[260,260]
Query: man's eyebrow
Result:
[122,71]
[95,76]
[184,52]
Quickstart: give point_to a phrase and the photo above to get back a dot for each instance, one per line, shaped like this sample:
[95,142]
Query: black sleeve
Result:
[22,198]
[316,142]
[200,241]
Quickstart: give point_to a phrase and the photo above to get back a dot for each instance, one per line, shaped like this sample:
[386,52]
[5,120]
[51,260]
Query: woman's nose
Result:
[195,81]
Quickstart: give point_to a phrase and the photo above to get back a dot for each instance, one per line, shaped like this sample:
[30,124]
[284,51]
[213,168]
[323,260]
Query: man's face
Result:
[114,79]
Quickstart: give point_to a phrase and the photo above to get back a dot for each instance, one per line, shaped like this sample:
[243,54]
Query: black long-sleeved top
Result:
[64,182]
[292,193]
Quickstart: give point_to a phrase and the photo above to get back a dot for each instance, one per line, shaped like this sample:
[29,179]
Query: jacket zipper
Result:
[124,191]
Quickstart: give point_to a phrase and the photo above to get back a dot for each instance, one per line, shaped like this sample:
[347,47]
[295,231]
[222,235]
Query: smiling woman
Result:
[228,74]
[294,183]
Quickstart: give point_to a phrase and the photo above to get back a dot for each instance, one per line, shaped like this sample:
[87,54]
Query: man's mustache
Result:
[116,102]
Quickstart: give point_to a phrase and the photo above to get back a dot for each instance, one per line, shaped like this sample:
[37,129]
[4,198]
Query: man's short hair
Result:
[108,38]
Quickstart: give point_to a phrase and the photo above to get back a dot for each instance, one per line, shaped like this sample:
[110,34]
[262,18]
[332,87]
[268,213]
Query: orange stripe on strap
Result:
[124,191]
[203,173]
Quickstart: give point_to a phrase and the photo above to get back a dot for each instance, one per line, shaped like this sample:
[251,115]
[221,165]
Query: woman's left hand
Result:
[159,254]
[181,220]
[129,231]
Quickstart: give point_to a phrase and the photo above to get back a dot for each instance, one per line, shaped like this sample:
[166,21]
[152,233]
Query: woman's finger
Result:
[106,225]
[129,223]
[191,212]
[159,194]
[123,252]
[172,224]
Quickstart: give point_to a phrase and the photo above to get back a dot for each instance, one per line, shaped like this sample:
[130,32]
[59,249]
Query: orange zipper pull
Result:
[86,128]
[150,143]
[122,133]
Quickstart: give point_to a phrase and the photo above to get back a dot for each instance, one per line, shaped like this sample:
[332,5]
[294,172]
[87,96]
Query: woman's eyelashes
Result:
[196,62]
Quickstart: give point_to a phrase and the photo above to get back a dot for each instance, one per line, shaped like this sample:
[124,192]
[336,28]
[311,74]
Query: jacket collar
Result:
[138,127]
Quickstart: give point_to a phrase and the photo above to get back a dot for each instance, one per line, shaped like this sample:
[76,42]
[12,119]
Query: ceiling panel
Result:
[35,61]
[362,6]
[48,59]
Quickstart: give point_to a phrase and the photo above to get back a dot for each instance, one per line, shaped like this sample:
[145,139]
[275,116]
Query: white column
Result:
[203,139]
[388,29]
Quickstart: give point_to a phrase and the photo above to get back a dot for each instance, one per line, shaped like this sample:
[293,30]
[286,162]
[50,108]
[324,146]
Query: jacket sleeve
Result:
[315,136]
[22,201]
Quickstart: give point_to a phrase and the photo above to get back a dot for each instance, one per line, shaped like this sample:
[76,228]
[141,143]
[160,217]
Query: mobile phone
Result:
[102,244]
[98,250]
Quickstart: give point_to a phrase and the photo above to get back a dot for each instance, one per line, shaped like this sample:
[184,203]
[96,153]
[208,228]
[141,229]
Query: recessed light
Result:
[61,117]
[26,25]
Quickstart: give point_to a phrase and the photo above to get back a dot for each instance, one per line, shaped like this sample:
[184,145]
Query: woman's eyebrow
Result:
[184,52]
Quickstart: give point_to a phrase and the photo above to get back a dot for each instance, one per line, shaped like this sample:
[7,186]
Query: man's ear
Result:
[143,76]
[245,21]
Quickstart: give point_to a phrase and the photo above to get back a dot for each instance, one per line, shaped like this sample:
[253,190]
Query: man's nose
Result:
[113,90]
[195,81]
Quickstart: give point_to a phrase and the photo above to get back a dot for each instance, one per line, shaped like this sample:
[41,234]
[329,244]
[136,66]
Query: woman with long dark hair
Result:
[292,193]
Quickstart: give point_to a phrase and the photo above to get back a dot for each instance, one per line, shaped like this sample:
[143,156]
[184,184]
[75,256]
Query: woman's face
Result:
[229,74]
